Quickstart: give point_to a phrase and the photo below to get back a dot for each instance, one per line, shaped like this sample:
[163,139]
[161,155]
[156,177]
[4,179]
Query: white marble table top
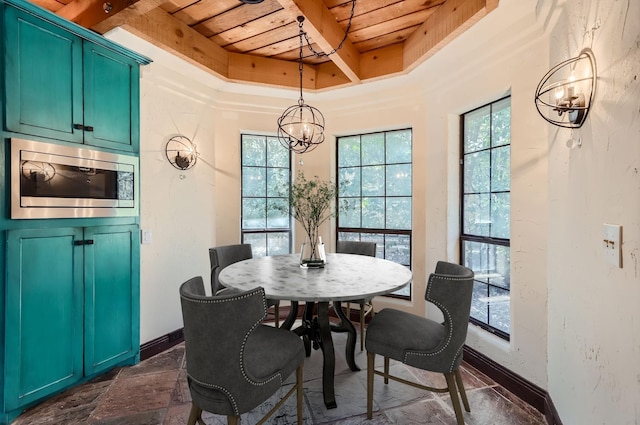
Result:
[345,277]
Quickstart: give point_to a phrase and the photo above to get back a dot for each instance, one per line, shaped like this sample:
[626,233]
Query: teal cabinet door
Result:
[112,296]
[43,72]
[44,314]
[63,87]
[111,99]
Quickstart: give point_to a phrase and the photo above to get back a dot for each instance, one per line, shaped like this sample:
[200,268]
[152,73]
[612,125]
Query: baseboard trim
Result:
[528,392]
[550,412]
[163,343]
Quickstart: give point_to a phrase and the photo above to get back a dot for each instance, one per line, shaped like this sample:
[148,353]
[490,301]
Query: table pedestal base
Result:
[316,333]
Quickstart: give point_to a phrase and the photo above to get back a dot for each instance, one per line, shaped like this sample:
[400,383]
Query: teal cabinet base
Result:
[72,308]
[6,418]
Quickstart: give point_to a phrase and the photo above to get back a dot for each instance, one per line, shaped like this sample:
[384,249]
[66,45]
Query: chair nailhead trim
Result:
[450,321]
[278,376]
[224,390]
[246,377]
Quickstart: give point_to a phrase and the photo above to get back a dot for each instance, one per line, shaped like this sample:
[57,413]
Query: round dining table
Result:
[344,277]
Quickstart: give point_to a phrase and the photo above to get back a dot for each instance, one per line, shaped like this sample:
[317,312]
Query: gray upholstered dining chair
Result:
[424,343]
[359,248]
[234,363]
[223,256]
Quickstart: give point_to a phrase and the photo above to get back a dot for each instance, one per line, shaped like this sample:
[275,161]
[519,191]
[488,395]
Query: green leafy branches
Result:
[311,203]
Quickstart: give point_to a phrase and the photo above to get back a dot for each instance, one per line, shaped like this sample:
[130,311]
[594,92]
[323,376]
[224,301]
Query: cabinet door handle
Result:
[83,242]
[83,127]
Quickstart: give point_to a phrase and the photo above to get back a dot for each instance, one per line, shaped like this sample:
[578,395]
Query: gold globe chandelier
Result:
[301,126]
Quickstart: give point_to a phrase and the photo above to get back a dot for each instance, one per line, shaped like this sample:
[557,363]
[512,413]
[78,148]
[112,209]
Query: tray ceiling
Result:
[259,44]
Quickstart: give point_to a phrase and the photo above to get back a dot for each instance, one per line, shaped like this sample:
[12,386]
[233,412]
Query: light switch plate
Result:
[147,236]
[612,244]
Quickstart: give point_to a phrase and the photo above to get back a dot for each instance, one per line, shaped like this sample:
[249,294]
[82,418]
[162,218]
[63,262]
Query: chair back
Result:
[450,288]
[356,247]
[216,330]
[223,256]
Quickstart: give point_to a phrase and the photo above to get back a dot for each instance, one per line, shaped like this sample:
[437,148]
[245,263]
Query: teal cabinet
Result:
[111,93]
[44,310]
[111,296]
[72,307]
[70,287]
[63,87]
[43,77]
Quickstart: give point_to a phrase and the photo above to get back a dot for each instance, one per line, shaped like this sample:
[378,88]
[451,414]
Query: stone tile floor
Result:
[155,392]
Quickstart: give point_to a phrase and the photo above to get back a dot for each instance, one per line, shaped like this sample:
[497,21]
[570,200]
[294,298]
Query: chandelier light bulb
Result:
[559,93]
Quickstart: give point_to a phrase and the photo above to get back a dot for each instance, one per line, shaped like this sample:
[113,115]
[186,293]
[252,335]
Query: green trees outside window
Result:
[374,193]
[266,168]
[485,218]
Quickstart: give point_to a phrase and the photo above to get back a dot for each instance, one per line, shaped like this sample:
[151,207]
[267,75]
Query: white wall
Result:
[481,66]
[575,322]
[594,319]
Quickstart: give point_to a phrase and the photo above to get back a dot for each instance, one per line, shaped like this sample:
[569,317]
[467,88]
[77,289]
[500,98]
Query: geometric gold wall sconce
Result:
[565,93]
[181,152]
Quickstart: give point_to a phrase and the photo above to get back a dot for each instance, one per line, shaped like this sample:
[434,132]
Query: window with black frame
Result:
[266,172]
[374,193]
[485,212]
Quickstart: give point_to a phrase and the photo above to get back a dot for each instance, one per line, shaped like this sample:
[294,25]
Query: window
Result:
[485,218]
[374,193]
[265,169]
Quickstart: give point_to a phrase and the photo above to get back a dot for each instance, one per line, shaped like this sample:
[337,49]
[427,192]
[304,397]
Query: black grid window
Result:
[374,193]
[485,215]
[266,171]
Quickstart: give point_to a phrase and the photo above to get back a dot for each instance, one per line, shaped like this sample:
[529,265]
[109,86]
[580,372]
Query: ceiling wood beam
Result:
[329,76]
[51,5]
[270,72]
[449,21]
[382,62]
[323,29]
[91,12]
[161,29]
[132,10]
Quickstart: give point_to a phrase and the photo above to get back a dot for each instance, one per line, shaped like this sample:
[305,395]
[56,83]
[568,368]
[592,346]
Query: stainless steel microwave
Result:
[55,181]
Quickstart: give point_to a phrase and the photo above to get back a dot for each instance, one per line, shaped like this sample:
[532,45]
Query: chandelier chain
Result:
[346,33]
[300,64]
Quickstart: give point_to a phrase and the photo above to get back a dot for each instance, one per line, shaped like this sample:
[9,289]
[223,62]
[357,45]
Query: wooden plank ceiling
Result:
[259,43]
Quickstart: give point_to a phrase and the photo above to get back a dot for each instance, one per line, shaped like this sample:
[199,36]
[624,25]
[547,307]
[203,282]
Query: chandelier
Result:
[301,126]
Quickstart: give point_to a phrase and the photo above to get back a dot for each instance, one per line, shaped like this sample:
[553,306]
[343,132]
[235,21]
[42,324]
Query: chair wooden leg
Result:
[371,358]
[386,370]
[463,393]
[361,327]
[299,391]
[453,392]
[276,311]
[233,420]
[194,415]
